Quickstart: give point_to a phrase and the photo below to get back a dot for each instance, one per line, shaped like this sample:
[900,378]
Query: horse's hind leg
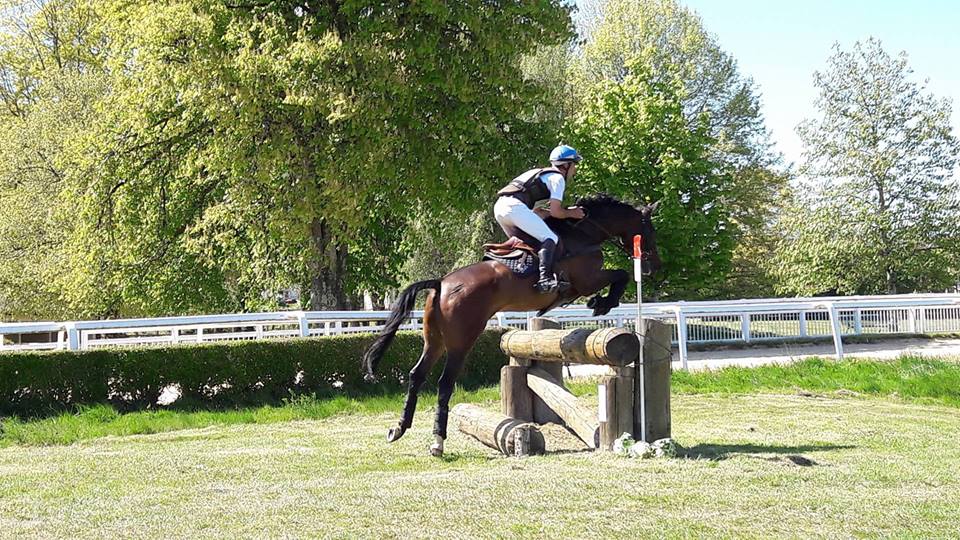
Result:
[432,349]
[452,369]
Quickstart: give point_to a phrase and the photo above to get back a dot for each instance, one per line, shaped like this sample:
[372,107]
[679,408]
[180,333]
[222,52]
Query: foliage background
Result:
[165,158]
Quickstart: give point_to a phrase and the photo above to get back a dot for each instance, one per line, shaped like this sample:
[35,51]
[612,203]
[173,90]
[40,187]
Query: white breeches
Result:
[510,212]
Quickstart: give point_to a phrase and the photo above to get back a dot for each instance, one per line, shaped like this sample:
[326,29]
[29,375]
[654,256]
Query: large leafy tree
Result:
[50,76]
[250,145]
[878,209]
[642,148]
[671,45]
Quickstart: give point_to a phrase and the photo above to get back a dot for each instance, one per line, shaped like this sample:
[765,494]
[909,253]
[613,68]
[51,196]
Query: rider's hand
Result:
[576,212]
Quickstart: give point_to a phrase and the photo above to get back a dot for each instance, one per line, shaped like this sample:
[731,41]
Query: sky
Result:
[781,43]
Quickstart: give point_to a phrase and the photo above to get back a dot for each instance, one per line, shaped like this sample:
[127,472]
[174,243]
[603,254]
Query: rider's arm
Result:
[558,211]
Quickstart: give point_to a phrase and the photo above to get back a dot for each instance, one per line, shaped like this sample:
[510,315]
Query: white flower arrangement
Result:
[626,446]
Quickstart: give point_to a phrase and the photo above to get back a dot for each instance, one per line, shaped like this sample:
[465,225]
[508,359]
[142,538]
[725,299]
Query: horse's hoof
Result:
[591,303]
[395,433]
[370,378]
[436,450]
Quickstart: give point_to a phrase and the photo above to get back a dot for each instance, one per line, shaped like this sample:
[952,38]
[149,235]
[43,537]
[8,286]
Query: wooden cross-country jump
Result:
[532,391]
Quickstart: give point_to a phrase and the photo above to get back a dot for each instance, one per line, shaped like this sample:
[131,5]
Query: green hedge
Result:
[220,374]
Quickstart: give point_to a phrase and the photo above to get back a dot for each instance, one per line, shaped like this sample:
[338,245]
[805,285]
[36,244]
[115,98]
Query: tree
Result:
[878,209]
[641,148]
[50,77]
[670,43]
[247,146]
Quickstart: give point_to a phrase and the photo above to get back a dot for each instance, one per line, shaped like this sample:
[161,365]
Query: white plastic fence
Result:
[738,321]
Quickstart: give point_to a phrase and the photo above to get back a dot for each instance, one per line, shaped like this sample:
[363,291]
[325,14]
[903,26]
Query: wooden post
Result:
[579,419]
[607,412]
[516,399]
[542,413]
[510,436]
[654,397]
[616,406]
[625,390]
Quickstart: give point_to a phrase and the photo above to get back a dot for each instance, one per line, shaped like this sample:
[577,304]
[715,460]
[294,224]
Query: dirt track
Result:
[758,355]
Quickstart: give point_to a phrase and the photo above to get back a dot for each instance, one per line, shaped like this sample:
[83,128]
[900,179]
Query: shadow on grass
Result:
[720,452]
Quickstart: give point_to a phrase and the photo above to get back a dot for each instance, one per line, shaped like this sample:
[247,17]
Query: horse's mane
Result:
[595,206]
[602,203]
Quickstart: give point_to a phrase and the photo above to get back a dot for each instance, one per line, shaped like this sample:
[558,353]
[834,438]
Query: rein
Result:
[610,237]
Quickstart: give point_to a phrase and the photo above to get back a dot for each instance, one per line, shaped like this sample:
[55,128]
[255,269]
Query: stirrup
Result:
[546,286]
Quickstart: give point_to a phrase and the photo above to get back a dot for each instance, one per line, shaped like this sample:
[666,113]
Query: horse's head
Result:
[621,222]
[642,224]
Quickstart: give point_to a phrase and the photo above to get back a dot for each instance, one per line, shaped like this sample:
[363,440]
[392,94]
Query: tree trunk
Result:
[327,266]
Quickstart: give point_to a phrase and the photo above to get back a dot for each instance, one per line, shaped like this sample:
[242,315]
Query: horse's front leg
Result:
[617,280]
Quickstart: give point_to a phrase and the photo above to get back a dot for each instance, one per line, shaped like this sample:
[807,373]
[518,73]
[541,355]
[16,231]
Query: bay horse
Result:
[459,305]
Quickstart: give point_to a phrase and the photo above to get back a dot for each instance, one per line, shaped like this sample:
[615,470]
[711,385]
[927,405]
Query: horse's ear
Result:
[654,207]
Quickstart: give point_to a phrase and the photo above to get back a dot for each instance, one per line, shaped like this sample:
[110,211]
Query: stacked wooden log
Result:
[532,390]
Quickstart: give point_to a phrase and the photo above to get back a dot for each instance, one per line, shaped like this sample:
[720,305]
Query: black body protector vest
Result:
[528,187]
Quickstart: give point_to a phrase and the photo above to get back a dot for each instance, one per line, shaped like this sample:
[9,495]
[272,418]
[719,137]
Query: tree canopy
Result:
[240,148]
[169,157]
[50,77]
[640,148]
[878,208]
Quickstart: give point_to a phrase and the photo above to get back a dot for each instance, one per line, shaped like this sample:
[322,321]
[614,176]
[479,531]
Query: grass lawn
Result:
[882,465]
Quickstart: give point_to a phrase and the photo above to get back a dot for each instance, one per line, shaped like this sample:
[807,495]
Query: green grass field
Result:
[883,462]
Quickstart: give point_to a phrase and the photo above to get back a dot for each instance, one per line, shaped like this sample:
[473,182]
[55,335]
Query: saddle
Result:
[515,254]
[511,249]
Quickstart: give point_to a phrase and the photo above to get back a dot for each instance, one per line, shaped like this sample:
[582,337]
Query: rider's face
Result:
[571,169]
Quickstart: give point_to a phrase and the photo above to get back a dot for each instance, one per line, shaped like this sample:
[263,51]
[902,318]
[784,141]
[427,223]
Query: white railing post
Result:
[803,324]
[835,324]
[259,330]
[911,321]
[745,326]
[174,335]
[73,336]
[857,322]
[682,336]
[2,344]
[199,334]
[921,320]
[61,340]
[304,324]
[500,320]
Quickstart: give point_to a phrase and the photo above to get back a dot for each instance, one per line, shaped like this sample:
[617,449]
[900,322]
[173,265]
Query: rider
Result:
[517,207]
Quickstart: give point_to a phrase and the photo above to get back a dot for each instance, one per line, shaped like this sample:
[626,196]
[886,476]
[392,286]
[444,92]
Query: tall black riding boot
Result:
[548,281]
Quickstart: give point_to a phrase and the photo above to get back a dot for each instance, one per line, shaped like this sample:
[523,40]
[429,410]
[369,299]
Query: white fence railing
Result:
[737,321]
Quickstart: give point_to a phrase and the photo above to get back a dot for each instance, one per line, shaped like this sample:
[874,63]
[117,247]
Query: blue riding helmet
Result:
[565,153]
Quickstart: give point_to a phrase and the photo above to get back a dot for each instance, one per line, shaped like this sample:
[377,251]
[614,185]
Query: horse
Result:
[459,305]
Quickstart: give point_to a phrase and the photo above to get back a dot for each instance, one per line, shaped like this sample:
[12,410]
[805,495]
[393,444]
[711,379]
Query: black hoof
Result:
[592,303]
[395,433]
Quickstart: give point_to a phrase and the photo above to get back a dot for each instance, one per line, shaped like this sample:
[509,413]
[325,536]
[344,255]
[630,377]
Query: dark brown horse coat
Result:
[459,306]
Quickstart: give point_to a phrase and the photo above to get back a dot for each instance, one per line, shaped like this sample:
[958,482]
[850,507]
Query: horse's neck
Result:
[585,235]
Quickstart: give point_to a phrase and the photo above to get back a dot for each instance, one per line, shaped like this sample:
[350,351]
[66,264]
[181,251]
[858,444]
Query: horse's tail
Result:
[401,310]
